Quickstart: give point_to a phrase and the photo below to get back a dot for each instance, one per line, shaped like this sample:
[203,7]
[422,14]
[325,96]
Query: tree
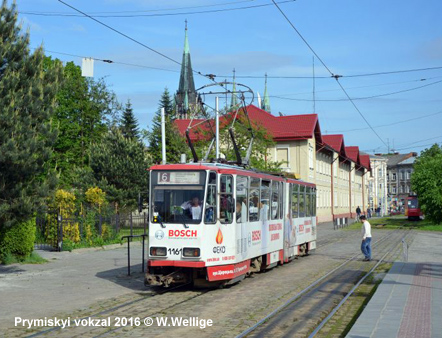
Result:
[120,166]
[426,181]
[175,143]
[27,102]
[129,123]
[86,109]
[262,142]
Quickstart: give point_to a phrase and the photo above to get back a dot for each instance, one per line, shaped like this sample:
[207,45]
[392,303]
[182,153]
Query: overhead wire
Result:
[358,98]
[331,73]
[387,125]
[152,15]
[258,77]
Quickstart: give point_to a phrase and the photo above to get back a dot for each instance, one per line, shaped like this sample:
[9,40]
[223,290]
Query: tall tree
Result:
[426,181]
[129,123]
[120,166]
[85,110]
[27,102]
[175,143]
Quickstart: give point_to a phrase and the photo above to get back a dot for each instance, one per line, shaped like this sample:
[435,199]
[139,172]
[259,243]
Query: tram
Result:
[412,209]
[214,223]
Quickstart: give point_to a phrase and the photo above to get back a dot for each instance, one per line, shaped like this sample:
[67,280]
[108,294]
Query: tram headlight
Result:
[191,252]
[158,251]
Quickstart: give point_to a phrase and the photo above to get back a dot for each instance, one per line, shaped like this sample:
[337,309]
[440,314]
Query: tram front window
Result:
[178,204]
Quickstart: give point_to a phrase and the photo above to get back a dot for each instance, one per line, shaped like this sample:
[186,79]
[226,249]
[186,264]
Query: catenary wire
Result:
[257,77]
[331,73]
[358,98]
[386,125]
[152,15]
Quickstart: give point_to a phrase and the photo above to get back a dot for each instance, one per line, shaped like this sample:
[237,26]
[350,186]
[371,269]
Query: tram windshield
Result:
[177,196]
[412,203]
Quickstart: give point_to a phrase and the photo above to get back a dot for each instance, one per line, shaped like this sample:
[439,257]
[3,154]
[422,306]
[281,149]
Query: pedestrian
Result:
[366,239]
[358,213]
[368,212]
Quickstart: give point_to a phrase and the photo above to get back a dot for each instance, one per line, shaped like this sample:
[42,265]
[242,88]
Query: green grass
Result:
[33,258]
[399,221]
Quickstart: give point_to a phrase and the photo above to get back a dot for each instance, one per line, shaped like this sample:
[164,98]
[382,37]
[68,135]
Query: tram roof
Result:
[228,169]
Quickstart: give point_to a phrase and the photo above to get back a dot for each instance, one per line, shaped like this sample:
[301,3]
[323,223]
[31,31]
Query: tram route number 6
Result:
[174,251]
[165,177]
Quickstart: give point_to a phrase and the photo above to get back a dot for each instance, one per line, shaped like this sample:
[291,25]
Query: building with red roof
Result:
[339,171]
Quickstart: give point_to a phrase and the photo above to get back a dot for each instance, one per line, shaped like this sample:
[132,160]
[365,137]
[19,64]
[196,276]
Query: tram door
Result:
[241,218]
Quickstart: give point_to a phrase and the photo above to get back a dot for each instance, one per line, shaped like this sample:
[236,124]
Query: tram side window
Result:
[308,201]
[275,205]
[301,201]
[254,200]
[281,200]
[265,201]
[210,213]
[226,199]
[242,188]
[295,200]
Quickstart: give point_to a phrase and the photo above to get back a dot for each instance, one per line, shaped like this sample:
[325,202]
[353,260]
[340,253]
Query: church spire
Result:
[266,101]
[186,96]
[234,98]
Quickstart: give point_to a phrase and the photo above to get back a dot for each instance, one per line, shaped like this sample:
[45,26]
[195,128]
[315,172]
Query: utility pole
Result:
[217,126]
[163,134]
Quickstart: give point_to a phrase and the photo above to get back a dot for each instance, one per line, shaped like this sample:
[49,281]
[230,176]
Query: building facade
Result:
[399,171]
[339,172]
[378,185]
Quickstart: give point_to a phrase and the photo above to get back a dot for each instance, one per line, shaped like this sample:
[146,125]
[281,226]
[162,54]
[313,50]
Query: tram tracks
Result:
[299,315]
[156,303]
[123,310]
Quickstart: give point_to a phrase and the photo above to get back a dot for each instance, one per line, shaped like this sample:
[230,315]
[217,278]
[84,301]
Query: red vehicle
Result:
[412,209]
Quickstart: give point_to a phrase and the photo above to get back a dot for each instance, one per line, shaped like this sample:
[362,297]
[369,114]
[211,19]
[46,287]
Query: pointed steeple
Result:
[234,98]
[266,101]
[186,96]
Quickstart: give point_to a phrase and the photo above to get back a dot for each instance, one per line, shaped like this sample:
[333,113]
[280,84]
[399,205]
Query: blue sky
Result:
[351,37]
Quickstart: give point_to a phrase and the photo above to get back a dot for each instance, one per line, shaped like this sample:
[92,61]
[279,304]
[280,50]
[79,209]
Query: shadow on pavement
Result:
[119,276]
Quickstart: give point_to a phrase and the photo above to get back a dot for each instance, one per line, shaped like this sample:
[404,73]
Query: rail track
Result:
[162,302]
[299,316]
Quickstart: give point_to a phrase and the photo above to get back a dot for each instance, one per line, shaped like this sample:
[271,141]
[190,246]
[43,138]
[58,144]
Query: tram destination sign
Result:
[179,177]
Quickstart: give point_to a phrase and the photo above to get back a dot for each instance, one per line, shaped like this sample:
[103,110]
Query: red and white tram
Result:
[214,223]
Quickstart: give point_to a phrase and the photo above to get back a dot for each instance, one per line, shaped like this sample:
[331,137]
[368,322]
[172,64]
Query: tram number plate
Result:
[173,251]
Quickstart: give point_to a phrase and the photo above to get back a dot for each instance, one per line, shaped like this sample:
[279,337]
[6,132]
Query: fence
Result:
[57,233]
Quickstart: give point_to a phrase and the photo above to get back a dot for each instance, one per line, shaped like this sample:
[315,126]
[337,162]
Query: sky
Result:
[253,37]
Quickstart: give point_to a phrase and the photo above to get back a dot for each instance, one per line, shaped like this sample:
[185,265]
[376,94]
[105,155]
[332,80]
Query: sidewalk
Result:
[408,303]
[68,282]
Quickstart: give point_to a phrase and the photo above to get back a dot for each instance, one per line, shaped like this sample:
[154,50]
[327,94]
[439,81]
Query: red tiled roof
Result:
[353,154]
[365,161]
[336,142]
[282,128]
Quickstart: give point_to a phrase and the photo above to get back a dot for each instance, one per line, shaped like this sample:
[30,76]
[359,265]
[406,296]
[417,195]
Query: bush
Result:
[18,240]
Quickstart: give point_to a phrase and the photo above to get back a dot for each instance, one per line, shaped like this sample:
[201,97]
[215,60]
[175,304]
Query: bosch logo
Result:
[183,233]
[159,234]
[219,249]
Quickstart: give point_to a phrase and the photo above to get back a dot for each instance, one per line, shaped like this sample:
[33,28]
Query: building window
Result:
[407,189]
[310,156]
[394,177]
[408,175]
[401,189]
[388,177]
[282,155]
[394,190]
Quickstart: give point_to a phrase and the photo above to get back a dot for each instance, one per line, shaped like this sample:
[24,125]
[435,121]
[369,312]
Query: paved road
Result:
[86,282]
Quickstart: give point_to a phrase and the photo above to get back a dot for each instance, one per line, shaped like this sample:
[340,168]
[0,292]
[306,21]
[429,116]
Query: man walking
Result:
[358,214]
[366,238]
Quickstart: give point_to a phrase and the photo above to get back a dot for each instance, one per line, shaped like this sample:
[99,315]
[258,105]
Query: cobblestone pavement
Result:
[231,309]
